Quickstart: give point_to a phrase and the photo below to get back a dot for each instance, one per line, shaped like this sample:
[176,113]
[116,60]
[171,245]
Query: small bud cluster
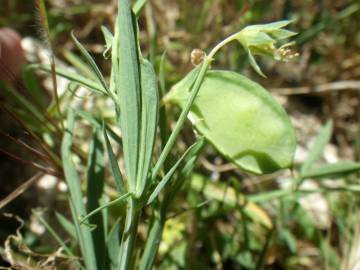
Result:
[197,56]
[262,39]
[286,54]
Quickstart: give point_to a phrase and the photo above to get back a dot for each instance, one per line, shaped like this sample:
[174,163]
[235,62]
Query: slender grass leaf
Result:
[333,170]
[53,233]
[149,119]
[91,62]
[104,206]
[189,152]
[159,216]
[76,198]
[114,164]
[97,123]
[126,74]
[184,172]
[138,7]
[95,189]
[67,225]
[113,245]
[76,62]
[241,119]
[72,77]
[319,144]
[163,122]
[152,242]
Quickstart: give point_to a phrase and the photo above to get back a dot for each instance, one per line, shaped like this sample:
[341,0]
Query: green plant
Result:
[235,114]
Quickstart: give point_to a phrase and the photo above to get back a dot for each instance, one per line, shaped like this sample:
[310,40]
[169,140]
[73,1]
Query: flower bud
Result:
[263,39]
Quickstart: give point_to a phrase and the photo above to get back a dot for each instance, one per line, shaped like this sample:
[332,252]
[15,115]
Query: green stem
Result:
[195,90]
[153,240]
[129,235]
[181,121]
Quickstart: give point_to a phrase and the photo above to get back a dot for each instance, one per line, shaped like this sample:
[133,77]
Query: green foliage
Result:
[241,119]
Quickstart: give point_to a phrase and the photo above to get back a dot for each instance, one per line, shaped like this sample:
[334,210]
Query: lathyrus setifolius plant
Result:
[233,113]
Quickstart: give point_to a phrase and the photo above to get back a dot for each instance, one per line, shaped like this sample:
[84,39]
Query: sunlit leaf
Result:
[241,119]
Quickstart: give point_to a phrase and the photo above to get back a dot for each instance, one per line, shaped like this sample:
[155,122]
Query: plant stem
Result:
[129,235]
[181,121]
[153,240]
[194,91]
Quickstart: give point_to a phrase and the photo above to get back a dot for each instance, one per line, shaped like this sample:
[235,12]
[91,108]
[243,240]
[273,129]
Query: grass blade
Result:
[97,123]
[91,62]
[107,205]
[127,81]
[72,77]
[95,188]
[66,224]
[333,170]
[319,144]
[149,119]
[189,152]
[79,64]
[113,243]
[53,233]
[76,198]
[138,7]
[114,164]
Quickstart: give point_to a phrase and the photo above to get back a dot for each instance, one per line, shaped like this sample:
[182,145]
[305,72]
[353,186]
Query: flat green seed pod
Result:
[241,119]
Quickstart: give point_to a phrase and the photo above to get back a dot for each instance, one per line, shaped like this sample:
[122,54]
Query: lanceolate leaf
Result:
[127,81]
[332,170]
[114,165]
[149,119]
[91,62]
[72,77]
[95,188]
[76,198]
[190,152]
[241,119]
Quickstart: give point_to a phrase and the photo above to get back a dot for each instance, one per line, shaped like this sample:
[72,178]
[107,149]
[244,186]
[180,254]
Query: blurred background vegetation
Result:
[238,221]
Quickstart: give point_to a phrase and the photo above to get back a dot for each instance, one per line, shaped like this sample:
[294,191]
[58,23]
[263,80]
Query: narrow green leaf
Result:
[114,164]
[241,119]
[149,119]
[91,62]
[163,122]
[66,224]
[53,233]
[76,62]
[159,216]
[138,7]
[319,144]
[97,123]
[95,189]
[72,77]
[152,242]
[113,245]
[76,198]
[104,206]
[189,152]
[332,170]
[127,81]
